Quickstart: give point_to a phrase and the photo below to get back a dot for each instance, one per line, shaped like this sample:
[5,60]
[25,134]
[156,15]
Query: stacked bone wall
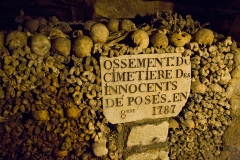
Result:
[51,104]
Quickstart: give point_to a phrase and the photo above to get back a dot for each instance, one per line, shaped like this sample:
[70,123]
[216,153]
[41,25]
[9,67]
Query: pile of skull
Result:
[50,93]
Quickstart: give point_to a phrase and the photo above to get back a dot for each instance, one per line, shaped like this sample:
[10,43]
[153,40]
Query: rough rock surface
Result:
[231,137]
[128,9]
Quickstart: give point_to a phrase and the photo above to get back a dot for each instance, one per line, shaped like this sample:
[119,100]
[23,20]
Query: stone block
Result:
[128,9]
[163,155]
[148,134]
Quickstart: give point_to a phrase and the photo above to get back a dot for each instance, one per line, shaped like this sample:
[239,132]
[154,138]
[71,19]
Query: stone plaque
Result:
[145,86]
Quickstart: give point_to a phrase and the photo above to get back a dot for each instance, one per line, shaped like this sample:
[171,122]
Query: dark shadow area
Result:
[9,10]
[199,3]
[220,14]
